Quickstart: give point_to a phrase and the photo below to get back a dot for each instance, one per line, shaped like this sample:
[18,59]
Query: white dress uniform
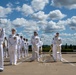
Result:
[2,33]
[18,47]
[40,48]
[26,46]
[57,48]
[22,47]
[5,48]
[40,45]
[35,47]
[12,47]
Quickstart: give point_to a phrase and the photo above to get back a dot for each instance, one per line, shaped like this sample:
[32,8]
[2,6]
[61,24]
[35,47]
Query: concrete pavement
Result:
[25,67]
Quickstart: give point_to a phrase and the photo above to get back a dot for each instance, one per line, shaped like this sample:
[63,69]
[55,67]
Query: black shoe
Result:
[1,70]
[55,61]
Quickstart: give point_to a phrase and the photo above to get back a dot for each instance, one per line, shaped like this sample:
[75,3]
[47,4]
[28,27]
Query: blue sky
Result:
[44,16]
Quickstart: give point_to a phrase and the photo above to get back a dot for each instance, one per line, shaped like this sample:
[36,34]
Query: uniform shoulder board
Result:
[10,36]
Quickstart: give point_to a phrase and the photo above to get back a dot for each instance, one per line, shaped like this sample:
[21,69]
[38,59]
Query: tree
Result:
[71,47]
[66,46]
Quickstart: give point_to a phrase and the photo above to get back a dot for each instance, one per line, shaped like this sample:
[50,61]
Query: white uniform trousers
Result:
[22,51]
[18,52]
[35,52]
[56,53]
[5,52]
[1,57]
[13,55]
[26,52]
[59,55]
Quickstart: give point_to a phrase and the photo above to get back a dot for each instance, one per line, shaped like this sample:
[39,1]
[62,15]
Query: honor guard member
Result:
[5,47]
[2,34]
[35,46]
[40,48]
[22,46]
[26,47]
[33,43]
[18,46]
[12,43]
[57,47]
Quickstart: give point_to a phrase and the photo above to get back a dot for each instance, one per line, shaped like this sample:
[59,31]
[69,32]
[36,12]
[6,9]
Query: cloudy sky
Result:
[45,16]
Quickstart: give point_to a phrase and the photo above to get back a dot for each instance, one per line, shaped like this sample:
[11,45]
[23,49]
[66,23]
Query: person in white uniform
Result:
[40,45]
[35,46]
[22,46]
[5,47]
[18,46]
[57,47]
[26,47]
[2,34]
[40,48]
[12,47]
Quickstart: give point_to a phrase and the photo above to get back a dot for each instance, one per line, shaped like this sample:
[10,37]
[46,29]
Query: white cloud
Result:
[5,11]
[66,38]
[62,23]
[53,15]
[40,15]
[3,21]
[39,4]
[9,5]
[19,22]
[74,34]
[18,8]
[53,27]
[31,26]
[66,34]
[21,34]
[46,39]
[25,9]
[42,23]
[69,41]
[56,14]
[28,25]
[6,23]
[70,4]
[72,22]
